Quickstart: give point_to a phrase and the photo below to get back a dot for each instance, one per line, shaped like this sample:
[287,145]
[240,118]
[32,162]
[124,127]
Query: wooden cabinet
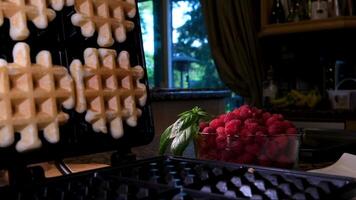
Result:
[303,50]
[267,29]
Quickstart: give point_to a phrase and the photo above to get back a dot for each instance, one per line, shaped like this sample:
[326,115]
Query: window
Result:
[176,46]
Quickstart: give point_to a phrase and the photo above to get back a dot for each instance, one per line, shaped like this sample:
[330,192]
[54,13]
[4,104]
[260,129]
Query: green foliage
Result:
[181,132]
[192,41]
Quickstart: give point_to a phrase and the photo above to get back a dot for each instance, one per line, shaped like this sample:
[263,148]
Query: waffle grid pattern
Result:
[19,11]
[108,89]
[105,16]
[31,96]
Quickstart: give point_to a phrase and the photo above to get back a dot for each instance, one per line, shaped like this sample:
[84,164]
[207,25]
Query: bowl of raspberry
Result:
[249,135]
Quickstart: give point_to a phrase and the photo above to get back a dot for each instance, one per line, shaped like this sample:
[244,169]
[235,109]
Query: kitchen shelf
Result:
[336,23]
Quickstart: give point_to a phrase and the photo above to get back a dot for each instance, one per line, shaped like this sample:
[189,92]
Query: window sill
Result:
[188,94]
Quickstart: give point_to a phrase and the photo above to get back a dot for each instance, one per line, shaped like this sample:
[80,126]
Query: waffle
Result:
[30,98]
[108,90]
[105,16]
[58,4]
[19,11]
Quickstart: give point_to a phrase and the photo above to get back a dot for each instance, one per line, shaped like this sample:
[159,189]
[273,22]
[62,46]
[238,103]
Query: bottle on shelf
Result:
[298,11]
[269,88]
[319,9]
[277,13]
[334,9]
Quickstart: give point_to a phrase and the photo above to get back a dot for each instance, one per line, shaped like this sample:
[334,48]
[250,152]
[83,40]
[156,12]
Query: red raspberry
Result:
[232,127]
[246,136]
[273,119]
[252,127]
[272,150]
[276,129]
[237,146]
[246,158]
[253,149]
[281,142]
[291,131]
[250,120]
[285,161]
[245,112]
[266,115]
[230,116]
[210,155]
[227,155]
[220,131]
[288,124]
[262,129]
[222,117]
[236,111]
[256,113]
[215,123]
[260,138]
[203,125]
[221,142]
[264,160]
[208,130]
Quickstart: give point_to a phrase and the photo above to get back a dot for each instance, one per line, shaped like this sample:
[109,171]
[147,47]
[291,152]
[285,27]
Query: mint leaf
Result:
[182,131]
[165,140]
[180,143]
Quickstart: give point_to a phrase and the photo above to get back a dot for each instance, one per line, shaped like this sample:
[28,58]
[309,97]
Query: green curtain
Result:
[232,34]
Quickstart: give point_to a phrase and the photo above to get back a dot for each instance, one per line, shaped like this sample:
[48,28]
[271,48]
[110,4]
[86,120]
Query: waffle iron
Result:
[156,178]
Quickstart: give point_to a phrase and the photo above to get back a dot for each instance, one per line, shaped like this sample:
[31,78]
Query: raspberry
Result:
[227,155]
[291,131]
[273,119]
[253,149]
[266,115]
[272,150]
[264,161]
[256,113]
[260,137]
[208,130]
[203,125]
[221,142]
[246,158]
[232,127]
[281,142]
[246,136]
[237,146]
[284,161]
[252,127]
[215,123]
[236,111]
[288,124]
[276,129]
[220,131]
[222,117]
[229,116]
[245,112]
[250,120]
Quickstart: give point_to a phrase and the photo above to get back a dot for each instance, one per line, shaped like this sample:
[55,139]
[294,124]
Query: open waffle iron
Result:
[85,41]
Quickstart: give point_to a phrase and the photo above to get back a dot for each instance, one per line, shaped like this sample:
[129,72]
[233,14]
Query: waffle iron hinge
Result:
[21,175]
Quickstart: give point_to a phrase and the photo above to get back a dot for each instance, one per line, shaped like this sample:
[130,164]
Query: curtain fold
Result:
[233,39]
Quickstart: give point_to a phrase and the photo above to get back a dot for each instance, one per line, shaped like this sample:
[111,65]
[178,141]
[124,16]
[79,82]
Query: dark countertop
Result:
[188,94]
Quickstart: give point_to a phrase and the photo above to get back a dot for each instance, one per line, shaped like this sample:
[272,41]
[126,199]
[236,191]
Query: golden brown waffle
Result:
[31,96]
[19,11]
[105,16]
[108,89]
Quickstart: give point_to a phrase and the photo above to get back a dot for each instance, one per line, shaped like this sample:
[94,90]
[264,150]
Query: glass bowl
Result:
[265,150]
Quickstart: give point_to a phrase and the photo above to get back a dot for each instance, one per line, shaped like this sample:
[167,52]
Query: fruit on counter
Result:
[298,98]
[251,136]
